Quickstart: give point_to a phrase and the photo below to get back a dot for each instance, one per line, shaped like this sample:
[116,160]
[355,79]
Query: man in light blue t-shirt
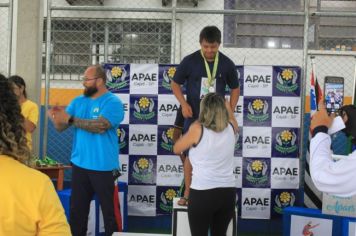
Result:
[95,116]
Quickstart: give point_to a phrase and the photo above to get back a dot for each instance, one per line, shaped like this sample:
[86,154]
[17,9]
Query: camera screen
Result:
[334,94]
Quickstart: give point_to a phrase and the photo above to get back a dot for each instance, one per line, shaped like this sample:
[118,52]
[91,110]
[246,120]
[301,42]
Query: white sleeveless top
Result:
[212,159]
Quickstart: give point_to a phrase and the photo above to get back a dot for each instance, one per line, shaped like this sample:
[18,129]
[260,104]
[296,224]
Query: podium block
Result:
[180,223]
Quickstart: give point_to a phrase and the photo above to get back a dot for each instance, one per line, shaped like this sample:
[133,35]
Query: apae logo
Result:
[286,142]
[254,81]
[166,203]
[144,108]
[167,77]
[257,110]
[283,200]
[149,199]
[121,133]
[167,139]
[286,112]
[168,108]
[287,81]
[116,77]
[252,201]
[143,169]
[143,79]
[256,172]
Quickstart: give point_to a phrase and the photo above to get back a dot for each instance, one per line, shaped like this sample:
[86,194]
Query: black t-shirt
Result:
[192,69]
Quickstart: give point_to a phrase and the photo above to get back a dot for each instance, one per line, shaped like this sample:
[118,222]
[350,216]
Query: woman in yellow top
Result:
[29,204]
[29,109]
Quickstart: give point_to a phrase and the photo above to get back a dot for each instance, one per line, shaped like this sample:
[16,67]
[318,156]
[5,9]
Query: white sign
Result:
[143,79]
[341,206]
[284,173]
[167,109]
[256,141]
[286,112]
[303,225]
[125,99]
[124,163]
[169,170]
[143,139]
[238,171]
[141,200]
[255,203]
[257,81]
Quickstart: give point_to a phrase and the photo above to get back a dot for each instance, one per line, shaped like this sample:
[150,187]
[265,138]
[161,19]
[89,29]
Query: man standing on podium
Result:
[204,71]
[95,117]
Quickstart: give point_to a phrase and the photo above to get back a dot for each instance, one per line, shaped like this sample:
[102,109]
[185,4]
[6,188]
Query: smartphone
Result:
[333,93]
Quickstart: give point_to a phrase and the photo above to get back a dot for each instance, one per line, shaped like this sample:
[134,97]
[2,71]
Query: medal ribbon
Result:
[211,77]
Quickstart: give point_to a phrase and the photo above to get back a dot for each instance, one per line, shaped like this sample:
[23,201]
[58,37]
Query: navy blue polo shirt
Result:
[192,69]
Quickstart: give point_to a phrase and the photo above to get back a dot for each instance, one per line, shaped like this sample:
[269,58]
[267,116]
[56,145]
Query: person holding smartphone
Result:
[333,177]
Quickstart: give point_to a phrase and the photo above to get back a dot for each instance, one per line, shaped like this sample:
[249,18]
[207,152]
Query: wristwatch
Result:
[71,120]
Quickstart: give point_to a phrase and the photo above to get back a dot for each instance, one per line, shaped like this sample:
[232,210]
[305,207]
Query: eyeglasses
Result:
[85,79]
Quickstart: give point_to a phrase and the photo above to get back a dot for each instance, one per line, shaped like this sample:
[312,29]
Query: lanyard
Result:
[211,77]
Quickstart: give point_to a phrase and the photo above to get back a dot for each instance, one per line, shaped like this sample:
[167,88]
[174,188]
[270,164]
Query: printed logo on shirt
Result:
[165,199]
[95,113]
[118,78]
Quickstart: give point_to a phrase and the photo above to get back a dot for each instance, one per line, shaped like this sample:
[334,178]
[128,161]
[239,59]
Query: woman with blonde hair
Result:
[29,203]
[211,142]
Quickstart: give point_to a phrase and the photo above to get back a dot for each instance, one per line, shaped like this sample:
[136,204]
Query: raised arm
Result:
[188,139]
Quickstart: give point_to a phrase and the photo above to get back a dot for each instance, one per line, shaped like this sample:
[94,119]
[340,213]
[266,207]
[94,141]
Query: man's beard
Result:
[90,91]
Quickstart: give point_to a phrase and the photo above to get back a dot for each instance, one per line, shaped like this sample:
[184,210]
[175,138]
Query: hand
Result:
[58,115]
[321,118]
[187,111]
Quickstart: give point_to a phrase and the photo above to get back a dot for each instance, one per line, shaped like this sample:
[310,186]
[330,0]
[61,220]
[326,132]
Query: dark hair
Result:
[20,82]
[100,72]
[211,34]
[12,133]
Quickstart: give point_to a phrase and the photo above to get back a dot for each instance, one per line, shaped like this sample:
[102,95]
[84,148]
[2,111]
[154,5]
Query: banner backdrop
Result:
[266,154]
